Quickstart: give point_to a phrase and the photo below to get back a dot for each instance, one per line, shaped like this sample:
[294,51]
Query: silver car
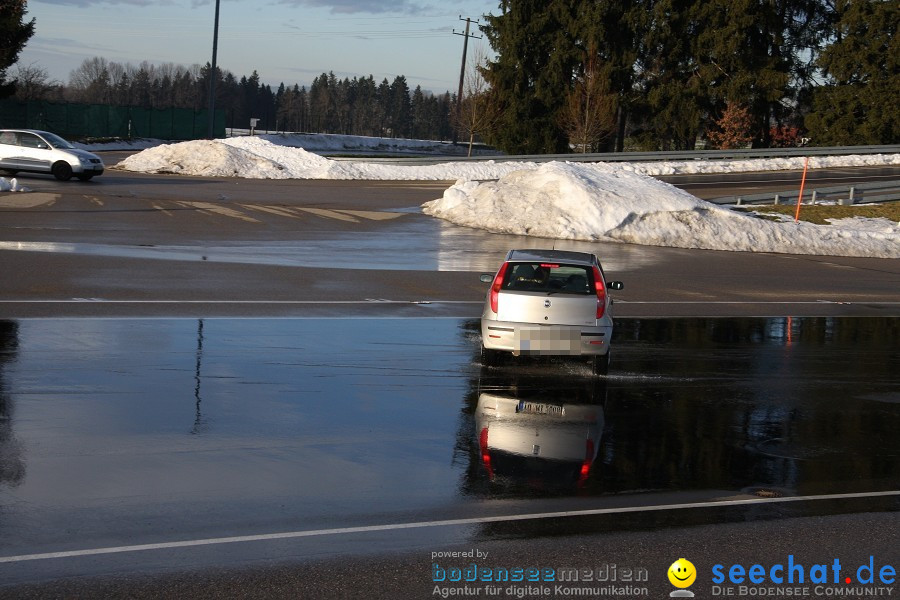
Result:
[543,443]
[35,151]
[548,302]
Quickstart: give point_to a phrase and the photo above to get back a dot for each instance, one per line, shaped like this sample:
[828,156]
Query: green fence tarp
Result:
[79,121]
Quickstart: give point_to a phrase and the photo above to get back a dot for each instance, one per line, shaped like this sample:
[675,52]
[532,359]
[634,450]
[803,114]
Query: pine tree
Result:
[14,33]
[536,56]
[672,102]
[858,105]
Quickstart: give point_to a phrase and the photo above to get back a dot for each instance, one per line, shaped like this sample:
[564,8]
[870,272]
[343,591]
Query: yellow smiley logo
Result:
[682,573]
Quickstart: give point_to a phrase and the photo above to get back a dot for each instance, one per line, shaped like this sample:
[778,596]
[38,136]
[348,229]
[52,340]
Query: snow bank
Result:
[609,203]
[277,157]
[258,158]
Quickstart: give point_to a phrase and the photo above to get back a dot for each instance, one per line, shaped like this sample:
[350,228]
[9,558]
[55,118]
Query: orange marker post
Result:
[802,185]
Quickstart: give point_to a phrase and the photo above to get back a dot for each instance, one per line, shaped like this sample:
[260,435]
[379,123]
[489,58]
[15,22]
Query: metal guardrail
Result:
[742,154]
[878,191]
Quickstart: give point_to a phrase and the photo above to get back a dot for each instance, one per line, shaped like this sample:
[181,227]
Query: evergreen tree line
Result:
[356,106]
[673,71]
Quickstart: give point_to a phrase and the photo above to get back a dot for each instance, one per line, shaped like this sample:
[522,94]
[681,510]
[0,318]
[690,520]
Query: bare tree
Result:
[479,109]
[32,83]
[90,82]
[589,115]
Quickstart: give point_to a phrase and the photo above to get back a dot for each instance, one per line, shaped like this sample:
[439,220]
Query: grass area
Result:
[819,212]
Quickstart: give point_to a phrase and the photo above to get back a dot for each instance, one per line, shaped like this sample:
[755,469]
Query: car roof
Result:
[537,254]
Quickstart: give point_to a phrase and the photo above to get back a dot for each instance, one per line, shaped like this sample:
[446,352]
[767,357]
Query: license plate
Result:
[539,408]
[549,340]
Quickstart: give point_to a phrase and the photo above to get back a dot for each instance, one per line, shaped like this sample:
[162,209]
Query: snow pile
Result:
[11,185]
[331,143]
[258,158]
[609,203]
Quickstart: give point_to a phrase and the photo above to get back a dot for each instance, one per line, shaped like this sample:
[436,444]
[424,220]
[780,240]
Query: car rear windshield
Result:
[549,277]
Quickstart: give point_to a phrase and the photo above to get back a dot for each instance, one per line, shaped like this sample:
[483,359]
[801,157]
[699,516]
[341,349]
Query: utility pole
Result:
[462,71]
[212,78]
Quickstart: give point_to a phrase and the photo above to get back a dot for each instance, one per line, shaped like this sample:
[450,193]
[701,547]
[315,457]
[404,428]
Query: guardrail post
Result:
[739,202]
[851,200]
[777,199]
[813,200]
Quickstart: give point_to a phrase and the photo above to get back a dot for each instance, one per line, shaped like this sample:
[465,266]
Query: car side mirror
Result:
[615,285]
[486,278]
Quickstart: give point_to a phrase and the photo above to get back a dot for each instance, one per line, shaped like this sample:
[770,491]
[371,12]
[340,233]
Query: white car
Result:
[548,302]
[544,442]
[35,151]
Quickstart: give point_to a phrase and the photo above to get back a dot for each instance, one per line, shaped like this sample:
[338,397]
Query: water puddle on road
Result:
[427,244]
[312,420]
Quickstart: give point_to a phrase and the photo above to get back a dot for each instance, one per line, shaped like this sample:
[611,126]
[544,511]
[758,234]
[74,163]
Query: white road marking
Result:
[366,301]
[385,301]
[424,524]
[779,302]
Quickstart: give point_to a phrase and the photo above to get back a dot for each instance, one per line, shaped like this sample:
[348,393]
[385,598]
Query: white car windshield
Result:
[57,142]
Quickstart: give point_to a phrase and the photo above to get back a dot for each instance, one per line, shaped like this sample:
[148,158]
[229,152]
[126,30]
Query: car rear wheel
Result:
[600,364]
[62,171]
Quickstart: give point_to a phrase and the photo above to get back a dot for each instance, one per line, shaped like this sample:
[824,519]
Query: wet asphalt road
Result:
[139,245]
[123,432]
[354,439]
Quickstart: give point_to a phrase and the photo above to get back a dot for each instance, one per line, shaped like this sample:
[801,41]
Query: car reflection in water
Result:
[538,432]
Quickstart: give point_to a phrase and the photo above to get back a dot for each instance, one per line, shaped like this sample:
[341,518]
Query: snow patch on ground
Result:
[12,185]
[603,203]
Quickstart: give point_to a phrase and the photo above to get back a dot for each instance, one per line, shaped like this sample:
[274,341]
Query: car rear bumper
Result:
[549,340]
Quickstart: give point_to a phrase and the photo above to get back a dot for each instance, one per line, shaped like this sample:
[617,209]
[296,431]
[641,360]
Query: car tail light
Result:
[586,465]
[495,286]
[600,288]
[485,454]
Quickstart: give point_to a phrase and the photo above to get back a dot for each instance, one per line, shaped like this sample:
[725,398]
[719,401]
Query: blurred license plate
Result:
[539,408]
[548,340]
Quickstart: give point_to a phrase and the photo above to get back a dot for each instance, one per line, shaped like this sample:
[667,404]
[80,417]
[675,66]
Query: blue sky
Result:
[290,41]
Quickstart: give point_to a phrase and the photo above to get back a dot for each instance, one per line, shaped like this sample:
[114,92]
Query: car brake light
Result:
[586,465]
[495,286]
[600,288]
[485,455]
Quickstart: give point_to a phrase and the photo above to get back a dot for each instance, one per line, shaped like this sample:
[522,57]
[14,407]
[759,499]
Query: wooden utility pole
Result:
[462,70]
[211,131]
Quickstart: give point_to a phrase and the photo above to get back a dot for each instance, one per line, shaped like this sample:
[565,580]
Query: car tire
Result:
[491,358]
[600,364]
[62,171]
[85,176]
